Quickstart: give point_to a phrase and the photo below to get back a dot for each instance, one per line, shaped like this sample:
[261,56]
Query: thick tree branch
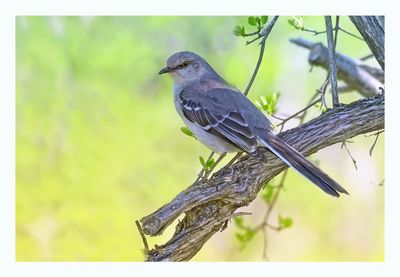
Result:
[372,30]
[359,76]
[208,205]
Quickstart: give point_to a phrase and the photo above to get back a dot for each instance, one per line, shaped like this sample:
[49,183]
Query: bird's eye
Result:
[185,64]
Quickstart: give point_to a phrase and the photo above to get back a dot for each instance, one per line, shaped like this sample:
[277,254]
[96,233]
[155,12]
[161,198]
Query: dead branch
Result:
[356,74]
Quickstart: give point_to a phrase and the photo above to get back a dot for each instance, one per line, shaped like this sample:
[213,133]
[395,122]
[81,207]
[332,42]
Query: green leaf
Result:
[285,222]
[249,234]
[207,164]
[318,105]
[296,22]
[268,103]
[262,103]
[239,222]
[252,20]
[187,132]
[267,195]
[291,22]
[237,31]
[258,21]
[264,19]
[242,31]
[272,103]
[202,161]
[246,236]
[239,237]
[210,163]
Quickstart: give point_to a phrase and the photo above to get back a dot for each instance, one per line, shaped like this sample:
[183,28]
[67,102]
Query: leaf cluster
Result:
[206,164]
[268,103]
[255,21]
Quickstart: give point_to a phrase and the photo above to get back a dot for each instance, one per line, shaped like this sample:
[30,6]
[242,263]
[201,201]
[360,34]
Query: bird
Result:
[222,118]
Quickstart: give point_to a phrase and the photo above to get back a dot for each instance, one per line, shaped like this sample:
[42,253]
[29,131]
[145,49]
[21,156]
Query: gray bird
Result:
[225,120]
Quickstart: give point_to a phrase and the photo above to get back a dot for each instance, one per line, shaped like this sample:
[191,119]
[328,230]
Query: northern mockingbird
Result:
[225,120]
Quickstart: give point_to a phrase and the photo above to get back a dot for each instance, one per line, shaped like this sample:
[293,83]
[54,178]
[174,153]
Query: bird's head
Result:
[187,66]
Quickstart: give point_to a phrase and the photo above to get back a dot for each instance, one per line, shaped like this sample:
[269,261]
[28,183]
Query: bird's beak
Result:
[165,70]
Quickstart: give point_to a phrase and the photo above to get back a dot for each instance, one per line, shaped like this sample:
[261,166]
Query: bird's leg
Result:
[214,165]
[201,173]
[237,156]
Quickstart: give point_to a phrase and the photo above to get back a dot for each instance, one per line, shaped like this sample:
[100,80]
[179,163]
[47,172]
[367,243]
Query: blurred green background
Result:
[98,143]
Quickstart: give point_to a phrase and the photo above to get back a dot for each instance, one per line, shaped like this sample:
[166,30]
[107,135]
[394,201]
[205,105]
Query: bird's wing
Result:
[216,112]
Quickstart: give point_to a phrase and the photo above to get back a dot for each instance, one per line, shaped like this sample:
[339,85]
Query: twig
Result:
[252,34]
[264,33]
[375,141]
[336,28]
[275,228]
[322,91]
[203,170]
[351,34]
[265,223]
[332,61]
[303,116]
[220,158]
[315,33]
[297,113]
[278,190]
[253,40]
[277,117]
[348,152]
[367,57]
[237,156]
[146,246]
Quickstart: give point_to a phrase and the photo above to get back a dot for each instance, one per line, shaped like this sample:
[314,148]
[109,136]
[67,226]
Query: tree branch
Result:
[209,204]
[264,34]
[372,30]
[359,76]
[332,59]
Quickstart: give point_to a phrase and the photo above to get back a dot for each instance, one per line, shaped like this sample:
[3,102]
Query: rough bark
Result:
[357,75]
[209,205]
[372,30]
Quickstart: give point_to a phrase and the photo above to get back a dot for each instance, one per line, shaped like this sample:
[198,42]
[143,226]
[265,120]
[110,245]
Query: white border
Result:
[200,7]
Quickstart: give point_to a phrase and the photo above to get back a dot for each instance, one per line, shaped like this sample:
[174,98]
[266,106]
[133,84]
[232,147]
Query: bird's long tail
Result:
[298,162]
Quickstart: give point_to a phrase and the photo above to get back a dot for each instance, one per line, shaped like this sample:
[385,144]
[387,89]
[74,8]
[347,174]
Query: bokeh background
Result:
[98,143]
